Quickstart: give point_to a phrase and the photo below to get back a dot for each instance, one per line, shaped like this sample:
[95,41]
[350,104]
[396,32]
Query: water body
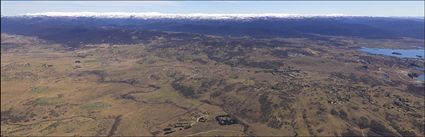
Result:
[418,68]
[401,53]
[421,77]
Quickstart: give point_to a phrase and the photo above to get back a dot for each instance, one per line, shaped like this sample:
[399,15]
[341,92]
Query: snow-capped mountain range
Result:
[150,15]
[158,15]
[195,16]
[56,26]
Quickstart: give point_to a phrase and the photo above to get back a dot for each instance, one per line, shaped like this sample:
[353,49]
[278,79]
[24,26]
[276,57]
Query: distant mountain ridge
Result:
[157,15]
[254,25]
[216,16]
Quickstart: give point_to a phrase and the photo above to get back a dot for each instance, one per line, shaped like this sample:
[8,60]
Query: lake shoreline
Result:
[400,53]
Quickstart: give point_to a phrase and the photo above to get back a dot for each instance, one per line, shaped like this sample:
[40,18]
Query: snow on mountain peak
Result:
[153,15]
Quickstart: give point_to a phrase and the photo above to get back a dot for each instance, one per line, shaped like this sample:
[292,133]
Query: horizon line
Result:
[185,15]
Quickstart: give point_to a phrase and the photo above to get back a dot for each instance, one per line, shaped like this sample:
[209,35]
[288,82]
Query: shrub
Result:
[350,133]
[343,114]
[378,129]
[363,122]
[334,112]
[266,108]
[274,123]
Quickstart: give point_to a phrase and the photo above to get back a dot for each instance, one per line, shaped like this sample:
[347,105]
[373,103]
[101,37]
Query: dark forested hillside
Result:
[362,27]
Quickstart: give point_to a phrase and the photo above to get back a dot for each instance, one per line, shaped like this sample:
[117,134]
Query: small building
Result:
[168,130]
[182,125]
[202,119]
[46,65]
[226,120]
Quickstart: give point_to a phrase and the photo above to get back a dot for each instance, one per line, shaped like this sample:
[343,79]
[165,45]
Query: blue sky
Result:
[364,8]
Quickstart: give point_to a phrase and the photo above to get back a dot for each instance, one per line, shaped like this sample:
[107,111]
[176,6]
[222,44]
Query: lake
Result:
[421,77]
[401,53]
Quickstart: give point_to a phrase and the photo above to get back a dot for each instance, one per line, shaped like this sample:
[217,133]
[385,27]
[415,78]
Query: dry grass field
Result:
[300,88]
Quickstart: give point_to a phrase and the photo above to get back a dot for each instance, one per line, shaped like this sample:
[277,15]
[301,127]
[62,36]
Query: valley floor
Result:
[177,87]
